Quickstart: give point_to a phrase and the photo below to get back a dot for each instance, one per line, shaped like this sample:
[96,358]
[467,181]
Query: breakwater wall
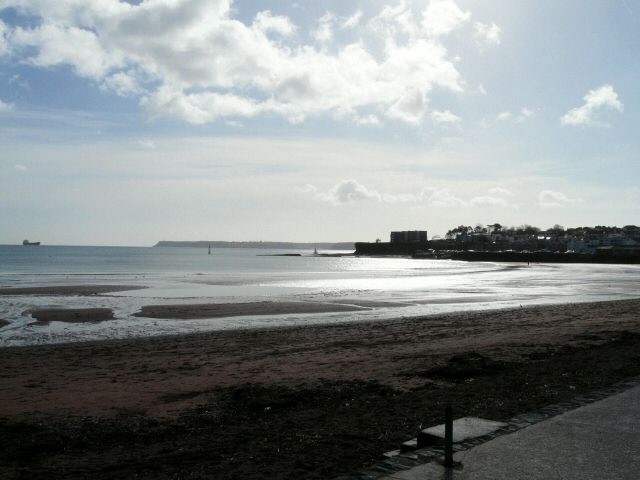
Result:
[411,249]
[388,249]
[545,257]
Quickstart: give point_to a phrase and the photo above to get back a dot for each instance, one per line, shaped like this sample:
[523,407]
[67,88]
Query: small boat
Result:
[30,244]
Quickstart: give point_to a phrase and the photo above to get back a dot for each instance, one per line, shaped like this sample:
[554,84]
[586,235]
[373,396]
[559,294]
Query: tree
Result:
[459,230]
[528,229]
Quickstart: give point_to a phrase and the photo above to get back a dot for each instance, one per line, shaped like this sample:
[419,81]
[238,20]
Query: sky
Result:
[126,123]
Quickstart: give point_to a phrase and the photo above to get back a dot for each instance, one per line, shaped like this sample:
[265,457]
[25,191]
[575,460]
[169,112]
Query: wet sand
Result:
[301,402]
[71,315]
[219,310]
[80,290]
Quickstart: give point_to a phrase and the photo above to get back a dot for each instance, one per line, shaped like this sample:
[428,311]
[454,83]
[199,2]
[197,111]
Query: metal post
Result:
[448,437]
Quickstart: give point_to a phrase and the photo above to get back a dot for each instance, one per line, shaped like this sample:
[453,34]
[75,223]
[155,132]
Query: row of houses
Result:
[557,239]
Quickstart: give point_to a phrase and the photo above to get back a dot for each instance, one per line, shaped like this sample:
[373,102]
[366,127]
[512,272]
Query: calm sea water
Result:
[190,275]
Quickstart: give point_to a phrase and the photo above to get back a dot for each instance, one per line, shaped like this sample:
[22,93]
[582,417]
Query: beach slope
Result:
[303,402]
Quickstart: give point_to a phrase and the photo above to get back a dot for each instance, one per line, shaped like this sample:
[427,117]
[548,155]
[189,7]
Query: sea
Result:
[181,275]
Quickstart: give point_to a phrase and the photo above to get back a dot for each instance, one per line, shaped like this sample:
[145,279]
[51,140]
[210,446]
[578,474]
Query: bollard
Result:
[448,437]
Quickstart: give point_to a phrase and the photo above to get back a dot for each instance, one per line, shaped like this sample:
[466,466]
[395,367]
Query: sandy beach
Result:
[302,402]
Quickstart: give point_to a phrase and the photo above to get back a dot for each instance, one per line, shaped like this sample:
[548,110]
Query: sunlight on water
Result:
[189,275]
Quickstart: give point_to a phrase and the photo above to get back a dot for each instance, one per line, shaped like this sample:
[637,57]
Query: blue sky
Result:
[126,123]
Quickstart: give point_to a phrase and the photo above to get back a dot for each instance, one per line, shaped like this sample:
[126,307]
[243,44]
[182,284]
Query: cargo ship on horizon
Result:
[30,244]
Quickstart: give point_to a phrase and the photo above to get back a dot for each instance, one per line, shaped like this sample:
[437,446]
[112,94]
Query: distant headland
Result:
[257,244]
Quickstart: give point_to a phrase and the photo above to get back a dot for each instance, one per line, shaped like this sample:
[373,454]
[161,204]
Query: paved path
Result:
[600,441]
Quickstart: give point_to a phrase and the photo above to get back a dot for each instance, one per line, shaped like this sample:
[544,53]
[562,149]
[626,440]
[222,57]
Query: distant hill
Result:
[268,245]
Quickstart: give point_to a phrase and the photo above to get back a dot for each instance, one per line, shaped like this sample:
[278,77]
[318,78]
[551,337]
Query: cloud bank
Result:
[195,60]
[351,191]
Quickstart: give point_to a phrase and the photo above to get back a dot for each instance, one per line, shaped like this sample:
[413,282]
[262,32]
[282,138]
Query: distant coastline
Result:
[266,245]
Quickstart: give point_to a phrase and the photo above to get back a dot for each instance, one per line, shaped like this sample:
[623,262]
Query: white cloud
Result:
[123,83]
[207,65]
[367,120]
[497,197]
[549,198]
[266,22]
[71,45]
[393,21]
[499,191]
[352,21]
[5,107]
[440,197]
[409,108]
[20,168]
[324,32]
[444,117]
[443,16]
[198,108]
[351,191]
[524,114]
[489,34]
[348,191]
[520,117]
[601,98]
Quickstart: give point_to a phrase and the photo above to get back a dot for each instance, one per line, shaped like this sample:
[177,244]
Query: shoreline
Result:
[259,307]
[409,289]
[361,305]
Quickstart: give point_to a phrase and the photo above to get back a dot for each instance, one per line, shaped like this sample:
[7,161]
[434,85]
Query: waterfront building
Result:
[412,236]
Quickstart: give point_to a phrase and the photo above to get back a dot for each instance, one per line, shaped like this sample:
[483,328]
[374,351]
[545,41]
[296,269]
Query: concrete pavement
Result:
[598,441]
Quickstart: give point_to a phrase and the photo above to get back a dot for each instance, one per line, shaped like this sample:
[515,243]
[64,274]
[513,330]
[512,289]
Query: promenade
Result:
[596,442]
